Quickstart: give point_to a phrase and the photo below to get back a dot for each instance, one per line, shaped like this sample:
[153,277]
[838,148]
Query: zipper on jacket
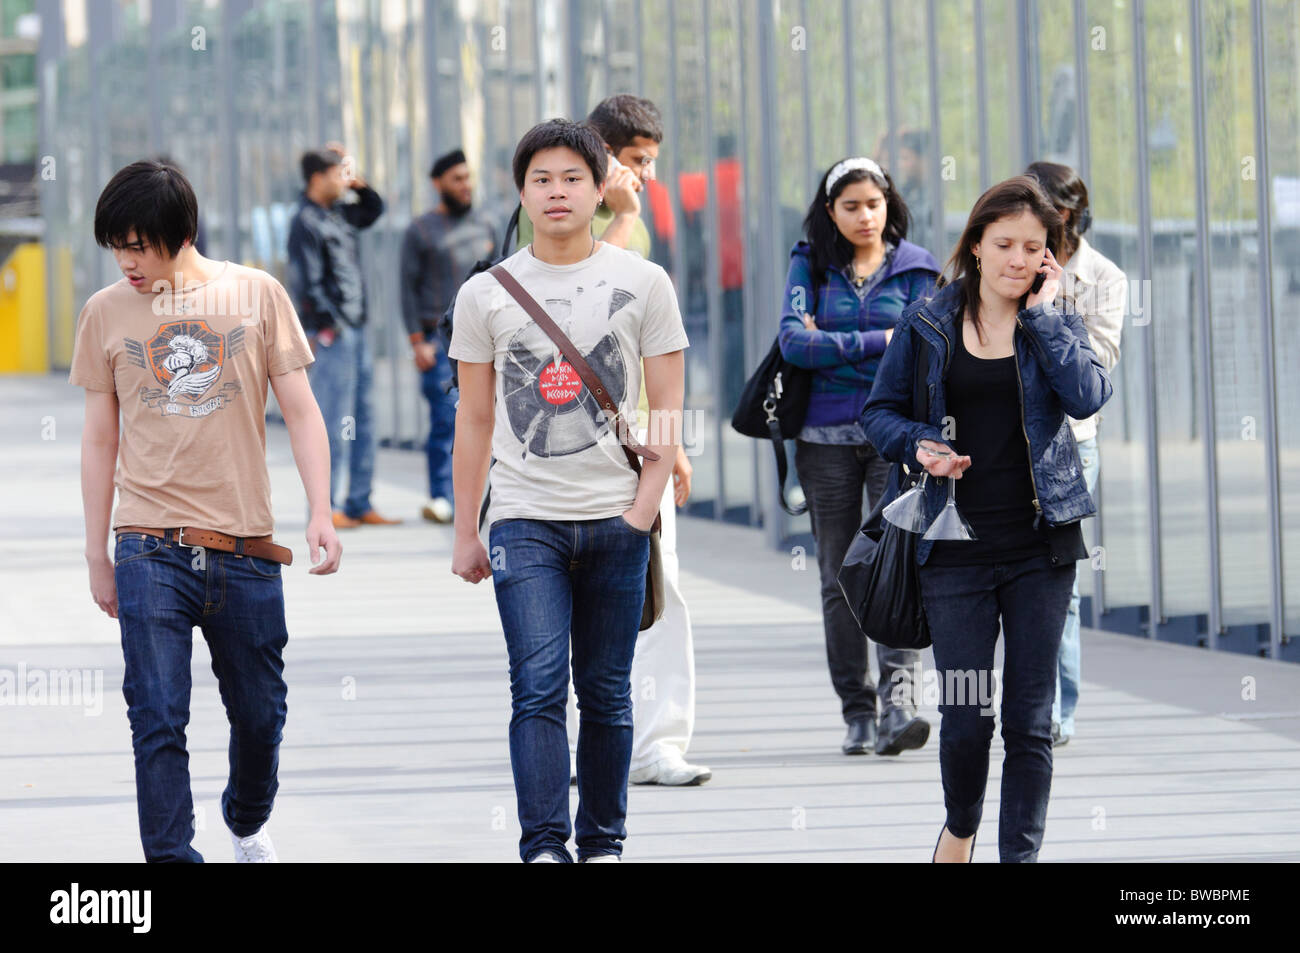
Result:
[947,348]
[1020,386]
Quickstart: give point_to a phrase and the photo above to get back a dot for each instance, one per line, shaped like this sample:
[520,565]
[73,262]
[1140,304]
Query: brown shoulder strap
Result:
[593,383]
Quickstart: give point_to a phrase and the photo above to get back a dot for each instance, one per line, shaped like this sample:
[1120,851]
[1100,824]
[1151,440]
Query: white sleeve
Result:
[470,338]
[662,331]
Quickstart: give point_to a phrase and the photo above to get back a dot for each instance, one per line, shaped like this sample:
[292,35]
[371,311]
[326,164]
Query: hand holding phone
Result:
[1047,283]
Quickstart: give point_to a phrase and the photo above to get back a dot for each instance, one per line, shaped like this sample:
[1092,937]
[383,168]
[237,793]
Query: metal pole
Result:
[939,240]
[1146,260]
[805,88]
[712,268]
[891,90]
[850,110]
[1027,42]
[771,285]
[1269,383]
[982,98]
[1202,284]
[1082,135]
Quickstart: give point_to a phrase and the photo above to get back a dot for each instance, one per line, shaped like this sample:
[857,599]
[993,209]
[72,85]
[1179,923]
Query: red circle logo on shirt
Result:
[559,383]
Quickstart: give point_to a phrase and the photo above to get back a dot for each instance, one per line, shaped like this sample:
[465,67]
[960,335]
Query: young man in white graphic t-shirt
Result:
[569,519]
[182,349]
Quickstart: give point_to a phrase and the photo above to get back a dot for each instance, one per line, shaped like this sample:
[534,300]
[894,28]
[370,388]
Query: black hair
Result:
[319,160]
[1012,197]
[152,198]
[449,161]
[622,118]
[561,133]
[830,249]
[1066,190]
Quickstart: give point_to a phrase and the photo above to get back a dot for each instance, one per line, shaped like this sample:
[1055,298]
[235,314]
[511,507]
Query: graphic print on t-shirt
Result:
[186,357]
[551,413]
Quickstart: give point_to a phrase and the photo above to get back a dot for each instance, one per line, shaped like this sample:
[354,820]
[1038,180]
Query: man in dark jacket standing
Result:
[440,248]
[329,294]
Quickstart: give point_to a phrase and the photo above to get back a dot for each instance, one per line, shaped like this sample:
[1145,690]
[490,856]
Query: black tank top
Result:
[996,493]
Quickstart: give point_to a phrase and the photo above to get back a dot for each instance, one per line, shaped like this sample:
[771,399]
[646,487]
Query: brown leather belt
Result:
[260,546]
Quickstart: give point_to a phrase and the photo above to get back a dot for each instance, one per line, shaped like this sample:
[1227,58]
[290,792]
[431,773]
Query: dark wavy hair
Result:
[830,249]
[1004,200]
[1066,190]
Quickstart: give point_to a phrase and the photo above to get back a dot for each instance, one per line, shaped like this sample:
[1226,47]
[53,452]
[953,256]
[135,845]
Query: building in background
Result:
[1183,116]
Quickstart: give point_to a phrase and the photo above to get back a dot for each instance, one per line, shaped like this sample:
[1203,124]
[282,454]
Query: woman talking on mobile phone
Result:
[1005,368]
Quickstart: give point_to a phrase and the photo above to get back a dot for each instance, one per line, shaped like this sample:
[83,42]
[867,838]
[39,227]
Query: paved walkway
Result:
[395,747]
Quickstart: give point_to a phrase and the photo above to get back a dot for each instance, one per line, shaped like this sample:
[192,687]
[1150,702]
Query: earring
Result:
[977,266]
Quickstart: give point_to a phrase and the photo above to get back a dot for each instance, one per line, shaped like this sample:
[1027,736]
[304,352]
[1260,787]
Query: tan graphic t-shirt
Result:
[191,372]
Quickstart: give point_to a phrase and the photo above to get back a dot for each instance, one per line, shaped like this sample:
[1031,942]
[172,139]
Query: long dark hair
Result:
[1009,198]
[830,249]
[1066,190]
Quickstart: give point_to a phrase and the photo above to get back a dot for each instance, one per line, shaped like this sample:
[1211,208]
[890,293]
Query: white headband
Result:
[850,165]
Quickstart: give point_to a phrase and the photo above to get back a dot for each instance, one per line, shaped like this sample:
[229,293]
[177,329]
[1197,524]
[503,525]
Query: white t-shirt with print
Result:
[556,456]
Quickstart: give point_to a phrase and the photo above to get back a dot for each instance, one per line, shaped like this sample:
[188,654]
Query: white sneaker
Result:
[546,857]
[602,859]
[438,510]
[671,771]
[255,848]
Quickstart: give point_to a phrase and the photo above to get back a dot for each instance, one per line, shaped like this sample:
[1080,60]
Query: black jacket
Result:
[324,263]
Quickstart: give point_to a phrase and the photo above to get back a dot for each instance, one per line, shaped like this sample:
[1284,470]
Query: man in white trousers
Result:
[663,668]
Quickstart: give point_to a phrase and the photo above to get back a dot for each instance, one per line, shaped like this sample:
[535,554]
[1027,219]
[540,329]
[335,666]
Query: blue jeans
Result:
[561,582]
[342,378]
[963,605]
[442,421]
[1067,665]
[163,591]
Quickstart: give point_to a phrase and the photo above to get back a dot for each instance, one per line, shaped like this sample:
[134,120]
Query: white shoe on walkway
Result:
[438,510]
[255,848]
[602,859]
[671,771]
[546,857]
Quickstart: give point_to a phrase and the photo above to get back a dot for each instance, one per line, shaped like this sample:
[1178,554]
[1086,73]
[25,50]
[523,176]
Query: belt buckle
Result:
[180,537]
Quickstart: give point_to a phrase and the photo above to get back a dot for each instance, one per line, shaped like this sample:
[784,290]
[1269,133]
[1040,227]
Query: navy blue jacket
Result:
[1059,375]
[324,270]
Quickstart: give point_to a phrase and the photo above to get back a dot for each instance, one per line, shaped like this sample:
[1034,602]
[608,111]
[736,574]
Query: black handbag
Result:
[773,406]
[879,577]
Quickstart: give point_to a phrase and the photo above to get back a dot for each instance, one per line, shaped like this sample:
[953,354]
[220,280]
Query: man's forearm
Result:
[619,231]
[98,460]
[311,452]
[470,457]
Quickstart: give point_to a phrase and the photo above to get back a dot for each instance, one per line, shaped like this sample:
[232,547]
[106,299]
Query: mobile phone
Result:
[1037,286]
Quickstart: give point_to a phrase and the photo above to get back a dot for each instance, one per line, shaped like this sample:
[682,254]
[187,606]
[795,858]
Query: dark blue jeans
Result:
[163,591]
[342,379]
[442,421]
[964,606]
[559,583]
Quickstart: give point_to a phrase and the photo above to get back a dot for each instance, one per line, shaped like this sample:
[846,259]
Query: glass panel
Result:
[1282,66]
[1002,67]
[688,162]
[915,145]
[958,119]
[1058,119]
[725,99]
[1122,526]
[1175,331]
[1234,316]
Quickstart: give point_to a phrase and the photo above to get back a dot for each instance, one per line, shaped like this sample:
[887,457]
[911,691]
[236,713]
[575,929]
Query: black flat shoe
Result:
[969,859]
[901,731]
[861,736]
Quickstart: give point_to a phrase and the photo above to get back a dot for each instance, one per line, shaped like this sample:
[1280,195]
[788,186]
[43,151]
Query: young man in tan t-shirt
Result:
[183,348]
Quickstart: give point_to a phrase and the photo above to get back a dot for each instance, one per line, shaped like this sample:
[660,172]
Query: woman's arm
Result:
[888,417]
[1061,346]
[813,348]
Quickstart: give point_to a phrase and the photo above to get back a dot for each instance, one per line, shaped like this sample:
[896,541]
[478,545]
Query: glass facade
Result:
[1182,116]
